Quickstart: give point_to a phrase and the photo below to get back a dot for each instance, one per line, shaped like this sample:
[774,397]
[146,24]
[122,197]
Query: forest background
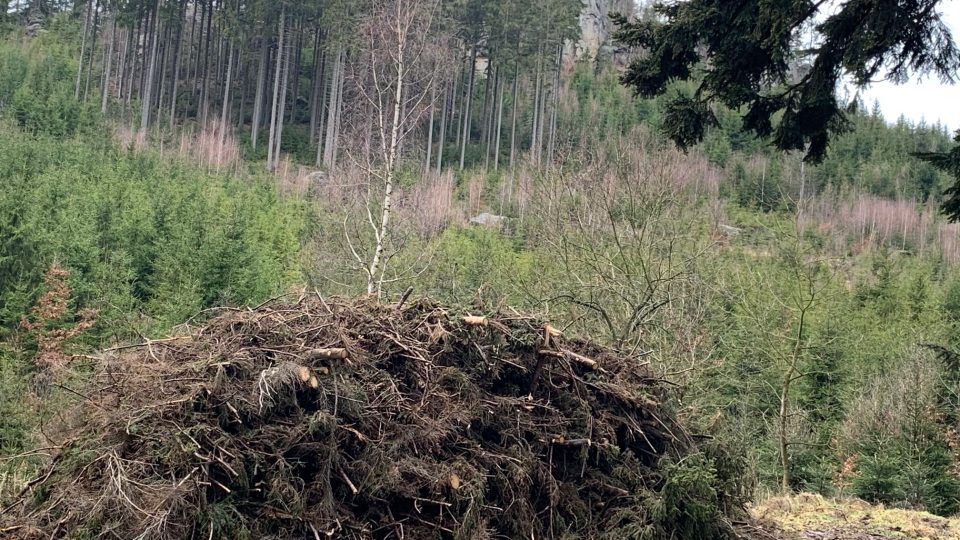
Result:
[164,157]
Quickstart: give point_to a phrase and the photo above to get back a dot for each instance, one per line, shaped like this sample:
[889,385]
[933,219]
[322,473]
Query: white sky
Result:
[925,99]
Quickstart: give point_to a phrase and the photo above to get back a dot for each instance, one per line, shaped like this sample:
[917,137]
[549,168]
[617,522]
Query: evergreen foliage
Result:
[592,230]
[148,242]
[752,61]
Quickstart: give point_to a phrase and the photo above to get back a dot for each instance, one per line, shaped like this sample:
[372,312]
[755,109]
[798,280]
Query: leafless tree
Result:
[395,72]
[618,238]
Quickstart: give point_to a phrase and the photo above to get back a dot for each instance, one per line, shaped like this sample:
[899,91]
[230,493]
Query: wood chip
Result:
[303,373]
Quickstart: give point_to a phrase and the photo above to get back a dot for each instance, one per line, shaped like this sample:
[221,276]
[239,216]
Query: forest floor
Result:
[812,517]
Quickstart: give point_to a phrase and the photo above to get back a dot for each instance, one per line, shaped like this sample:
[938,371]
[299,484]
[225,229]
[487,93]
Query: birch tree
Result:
[398,66]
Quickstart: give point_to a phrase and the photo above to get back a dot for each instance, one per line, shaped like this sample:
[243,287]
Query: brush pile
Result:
[312,418]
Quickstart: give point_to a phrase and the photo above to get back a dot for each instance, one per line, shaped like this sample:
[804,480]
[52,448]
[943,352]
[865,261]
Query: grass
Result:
[813,516]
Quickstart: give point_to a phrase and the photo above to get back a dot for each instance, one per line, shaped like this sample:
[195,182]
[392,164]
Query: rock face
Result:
[596,29]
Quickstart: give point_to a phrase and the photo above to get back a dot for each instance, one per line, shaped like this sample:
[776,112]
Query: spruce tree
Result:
[746,54]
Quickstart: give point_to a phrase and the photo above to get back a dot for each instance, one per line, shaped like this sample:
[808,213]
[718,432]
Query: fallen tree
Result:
[313,418]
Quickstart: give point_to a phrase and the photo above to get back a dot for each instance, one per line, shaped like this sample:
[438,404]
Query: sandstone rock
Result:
[596,28]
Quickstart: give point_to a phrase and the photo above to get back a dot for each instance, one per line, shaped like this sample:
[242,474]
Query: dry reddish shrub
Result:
[214,146]
[45,320]
[846,474]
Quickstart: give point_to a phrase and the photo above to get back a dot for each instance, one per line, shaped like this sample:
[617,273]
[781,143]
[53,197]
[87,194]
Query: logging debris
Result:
[334,418]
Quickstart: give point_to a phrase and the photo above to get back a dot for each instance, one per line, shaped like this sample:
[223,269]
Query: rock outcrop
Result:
[596,28]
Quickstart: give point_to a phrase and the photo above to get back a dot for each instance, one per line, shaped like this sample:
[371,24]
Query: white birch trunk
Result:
[374,273]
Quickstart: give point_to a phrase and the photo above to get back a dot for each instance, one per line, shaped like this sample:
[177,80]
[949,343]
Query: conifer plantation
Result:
[476,269]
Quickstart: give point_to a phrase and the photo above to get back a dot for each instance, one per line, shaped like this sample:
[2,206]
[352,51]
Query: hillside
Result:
[164,162]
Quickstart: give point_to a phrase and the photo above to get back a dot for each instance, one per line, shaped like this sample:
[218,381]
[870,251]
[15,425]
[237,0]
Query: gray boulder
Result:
[487,219]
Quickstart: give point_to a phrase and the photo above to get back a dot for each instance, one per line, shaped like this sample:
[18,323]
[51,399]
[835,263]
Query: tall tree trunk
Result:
[375,283]
[244,87]
[489,121]
[336,85]
[146,34]
[315,79]
[456,121]
[225,108]
[443,128]
[278,69]
[513,115]
[145,100]
[164,58]
[105,90]
[489,80]
[83,48]
[283,103]
[497,131]
[106,53]
[205,89]
[338,112]
[198,61]
[322,107]
[131,63]
[261,86]
[218,70]
[93,47]
[433,107]
[177,58]
[190,71]
[556,106]
[295,88]
[122,67]
[466,112]
[535,128]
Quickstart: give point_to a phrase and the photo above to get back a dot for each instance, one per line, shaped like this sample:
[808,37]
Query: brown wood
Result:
[303,373]
[472,320]
[329,353]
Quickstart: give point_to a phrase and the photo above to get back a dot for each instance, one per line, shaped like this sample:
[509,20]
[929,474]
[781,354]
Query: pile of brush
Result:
[313,418]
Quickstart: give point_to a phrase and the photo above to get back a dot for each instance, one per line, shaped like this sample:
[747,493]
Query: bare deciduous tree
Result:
[395,73]
[620,245]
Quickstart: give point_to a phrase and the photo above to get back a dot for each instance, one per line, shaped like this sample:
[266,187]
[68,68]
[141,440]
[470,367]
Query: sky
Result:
[920,98]
[924,99]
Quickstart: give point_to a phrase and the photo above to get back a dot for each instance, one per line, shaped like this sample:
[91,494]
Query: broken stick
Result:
[474,320]
[588,362]
[560,441]
[335,353]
